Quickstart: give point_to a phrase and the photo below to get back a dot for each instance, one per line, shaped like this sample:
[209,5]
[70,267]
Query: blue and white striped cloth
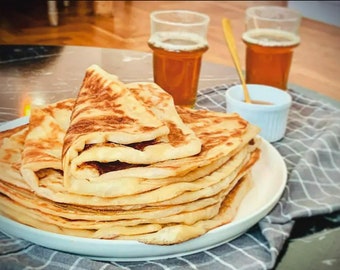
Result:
[311,150]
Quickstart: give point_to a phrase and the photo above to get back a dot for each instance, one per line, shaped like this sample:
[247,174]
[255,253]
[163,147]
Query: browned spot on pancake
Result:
[176,136]
[37,121]
[32,155]
[91,81]
[40,112]
[99,124]
[58,106]
[96,90]
[102,104]
[8,153]
[97,86]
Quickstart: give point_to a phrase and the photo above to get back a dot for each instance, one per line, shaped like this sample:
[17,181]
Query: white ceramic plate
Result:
[269,176]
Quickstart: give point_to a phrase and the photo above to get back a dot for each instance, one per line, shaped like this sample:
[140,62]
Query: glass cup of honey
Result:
[178,41]
[271,35]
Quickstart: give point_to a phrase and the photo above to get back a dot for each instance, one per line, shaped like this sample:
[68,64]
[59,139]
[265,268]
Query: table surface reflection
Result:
[45,74]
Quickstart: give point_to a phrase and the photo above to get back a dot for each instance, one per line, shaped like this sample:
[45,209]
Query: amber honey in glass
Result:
[177,65]
[271,35]
[178,42]
[269,56]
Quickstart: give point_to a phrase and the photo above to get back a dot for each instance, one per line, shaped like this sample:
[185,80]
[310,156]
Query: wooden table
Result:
[44,74]
[315,63]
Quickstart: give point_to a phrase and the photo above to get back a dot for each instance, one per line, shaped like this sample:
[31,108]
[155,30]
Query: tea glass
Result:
[178,41]
[271,35]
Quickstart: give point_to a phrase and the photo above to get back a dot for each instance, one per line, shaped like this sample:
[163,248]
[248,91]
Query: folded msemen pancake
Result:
[150,233]
[44,141]
[190,207]
[97,170]
[222,136]
[122,162]
[112,125]
[153,224]
[174,191]
[11,147]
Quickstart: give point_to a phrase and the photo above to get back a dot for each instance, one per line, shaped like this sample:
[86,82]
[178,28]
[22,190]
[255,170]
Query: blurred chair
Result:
[103,8]
[52,11]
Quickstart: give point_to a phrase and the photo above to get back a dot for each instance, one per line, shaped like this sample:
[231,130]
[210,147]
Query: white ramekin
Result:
[272,119]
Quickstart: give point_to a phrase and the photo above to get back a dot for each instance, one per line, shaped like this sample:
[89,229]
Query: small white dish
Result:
[272,118]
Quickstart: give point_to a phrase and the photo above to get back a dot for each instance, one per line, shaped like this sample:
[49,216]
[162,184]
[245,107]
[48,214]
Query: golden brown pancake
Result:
[150,231]
[222,136]
[122,162]
[168,193]
[44,140]
[11,147]
[51,180]
[177,233]
[114,125]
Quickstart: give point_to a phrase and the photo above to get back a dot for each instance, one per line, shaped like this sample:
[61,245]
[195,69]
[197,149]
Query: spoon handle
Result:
[228,35]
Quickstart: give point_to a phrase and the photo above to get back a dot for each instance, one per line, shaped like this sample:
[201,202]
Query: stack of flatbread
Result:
[121,161]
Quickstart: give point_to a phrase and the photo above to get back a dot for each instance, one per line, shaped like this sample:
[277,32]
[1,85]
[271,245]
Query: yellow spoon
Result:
[229,38]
